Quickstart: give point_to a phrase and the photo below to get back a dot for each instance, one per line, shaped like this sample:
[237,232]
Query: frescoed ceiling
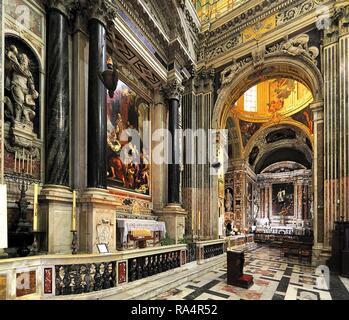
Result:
[275,99]
[210,10]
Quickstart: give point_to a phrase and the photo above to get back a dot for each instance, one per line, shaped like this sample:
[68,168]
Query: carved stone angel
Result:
[20,83]
[298,46]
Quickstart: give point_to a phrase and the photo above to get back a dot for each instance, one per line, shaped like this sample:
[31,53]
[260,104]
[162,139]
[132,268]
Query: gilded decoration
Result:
[256,31]
[252,24]
[275,99]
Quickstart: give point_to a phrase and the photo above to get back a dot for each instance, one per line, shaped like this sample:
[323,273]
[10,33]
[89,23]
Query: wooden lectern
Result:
[235,270]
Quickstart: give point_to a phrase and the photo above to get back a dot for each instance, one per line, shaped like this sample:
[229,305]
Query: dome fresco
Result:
[273,99]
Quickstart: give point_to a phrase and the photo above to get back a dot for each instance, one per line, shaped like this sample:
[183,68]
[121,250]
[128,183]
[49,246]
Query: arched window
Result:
[250,100]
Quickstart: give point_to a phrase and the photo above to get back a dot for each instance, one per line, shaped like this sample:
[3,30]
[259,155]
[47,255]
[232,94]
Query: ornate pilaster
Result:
[79,100]
[57,111]
[343,52]
[320,236]
[100,13]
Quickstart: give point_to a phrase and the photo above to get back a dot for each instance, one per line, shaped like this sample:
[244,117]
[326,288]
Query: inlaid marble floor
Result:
[275,278]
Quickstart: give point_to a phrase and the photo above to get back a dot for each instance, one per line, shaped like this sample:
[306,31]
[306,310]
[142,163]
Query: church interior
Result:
[174,150]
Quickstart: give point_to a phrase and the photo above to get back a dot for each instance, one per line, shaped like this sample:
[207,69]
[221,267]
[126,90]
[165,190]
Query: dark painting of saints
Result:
[128,156]
[283,199]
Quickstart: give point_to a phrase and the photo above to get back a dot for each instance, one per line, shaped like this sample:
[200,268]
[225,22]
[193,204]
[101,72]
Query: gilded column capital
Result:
[100,10]
[173,90]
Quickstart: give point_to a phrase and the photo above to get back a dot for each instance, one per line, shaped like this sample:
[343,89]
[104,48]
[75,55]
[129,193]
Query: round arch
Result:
[280,64]
[270,127]
[301,69]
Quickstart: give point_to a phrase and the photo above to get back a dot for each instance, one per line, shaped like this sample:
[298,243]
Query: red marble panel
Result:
[122,272]
[48,280]
[3,287]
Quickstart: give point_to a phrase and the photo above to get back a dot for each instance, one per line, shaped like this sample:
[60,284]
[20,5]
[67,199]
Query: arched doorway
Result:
[304,72]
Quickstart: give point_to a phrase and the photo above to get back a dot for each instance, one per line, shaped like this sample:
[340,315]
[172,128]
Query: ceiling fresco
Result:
[210,10]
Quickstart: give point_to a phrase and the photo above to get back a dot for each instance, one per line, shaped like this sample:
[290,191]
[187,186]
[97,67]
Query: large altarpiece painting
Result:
[283,199]
[128,159]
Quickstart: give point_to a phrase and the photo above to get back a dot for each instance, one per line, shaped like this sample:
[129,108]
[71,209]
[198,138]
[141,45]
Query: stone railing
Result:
[208,249]
[59,276]
[90,276]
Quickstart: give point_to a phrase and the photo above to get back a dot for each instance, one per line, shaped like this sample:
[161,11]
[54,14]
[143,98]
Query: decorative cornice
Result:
[297,46]
[229,36]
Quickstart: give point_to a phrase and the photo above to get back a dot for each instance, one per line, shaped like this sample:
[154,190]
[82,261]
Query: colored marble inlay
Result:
[3,287]
[122,272]
[275,278]
[48,280]
[25,283]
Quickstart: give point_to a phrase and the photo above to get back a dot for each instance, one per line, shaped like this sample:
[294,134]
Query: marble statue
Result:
[228,201]
[20,83]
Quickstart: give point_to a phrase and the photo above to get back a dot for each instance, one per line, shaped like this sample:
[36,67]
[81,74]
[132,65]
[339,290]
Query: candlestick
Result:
[199,222]
[35,212]
[74,212]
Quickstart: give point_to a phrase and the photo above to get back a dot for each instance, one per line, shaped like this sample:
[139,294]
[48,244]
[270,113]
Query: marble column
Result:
[270,207]
[55,200]
[159,169]
[57,92]
[174,92]
[318,174]
[96,204]
[97,117]
[299,200]
[173,214]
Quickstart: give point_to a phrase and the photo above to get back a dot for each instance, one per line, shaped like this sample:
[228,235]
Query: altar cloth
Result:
[137,224]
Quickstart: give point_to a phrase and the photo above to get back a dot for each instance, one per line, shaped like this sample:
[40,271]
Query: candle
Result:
[199,222]
[74,212]
[35,212]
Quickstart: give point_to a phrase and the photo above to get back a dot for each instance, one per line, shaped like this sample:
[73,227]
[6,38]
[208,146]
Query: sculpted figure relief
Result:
[20,82]
[298,46]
